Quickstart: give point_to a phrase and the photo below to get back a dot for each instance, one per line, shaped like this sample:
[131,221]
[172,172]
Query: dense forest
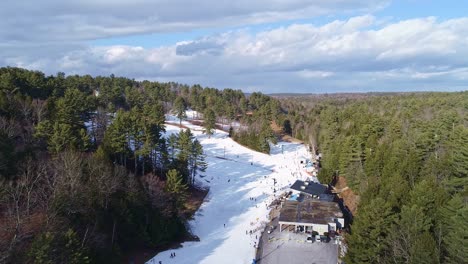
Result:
[406,156]
[86,171]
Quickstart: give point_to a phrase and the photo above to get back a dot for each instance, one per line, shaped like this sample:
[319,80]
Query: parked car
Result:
[309,239]
[317,238]
[270,229]
[324,239]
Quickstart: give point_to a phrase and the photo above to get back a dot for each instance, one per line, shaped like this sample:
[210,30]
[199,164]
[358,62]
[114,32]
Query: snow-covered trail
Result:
[235,174]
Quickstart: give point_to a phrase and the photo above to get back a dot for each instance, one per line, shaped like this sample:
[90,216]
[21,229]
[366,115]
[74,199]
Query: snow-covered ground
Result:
[241,187]
[193,115]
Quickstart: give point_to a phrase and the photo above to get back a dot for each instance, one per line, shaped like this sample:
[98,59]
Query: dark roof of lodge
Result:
[310,211]
[310,187]
[326,197]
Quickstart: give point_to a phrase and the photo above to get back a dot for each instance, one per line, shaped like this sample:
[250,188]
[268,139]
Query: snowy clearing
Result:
[235,174]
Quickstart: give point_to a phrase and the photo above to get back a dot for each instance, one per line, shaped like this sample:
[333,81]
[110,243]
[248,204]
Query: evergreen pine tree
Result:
[460,159]
[209,122]
[179,108]
[369,232]
[455,235]
[197,160]
[175,185]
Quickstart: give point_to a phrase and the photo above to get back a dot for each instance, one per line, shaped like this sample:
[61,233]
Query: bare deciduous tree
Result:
[39,109]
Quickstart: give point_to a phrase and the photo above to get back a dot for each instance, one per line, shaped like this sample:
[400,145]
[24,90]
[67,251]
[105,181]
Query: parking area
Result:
[288,247]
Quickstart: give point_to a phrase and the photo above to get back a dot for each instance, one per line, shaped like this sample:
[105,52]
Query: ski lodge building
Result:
[311,207]
[311,215]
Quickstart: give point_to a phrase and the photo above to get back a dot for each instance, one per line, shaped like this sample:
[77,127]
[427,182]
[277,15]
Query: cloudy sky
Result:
[314,46]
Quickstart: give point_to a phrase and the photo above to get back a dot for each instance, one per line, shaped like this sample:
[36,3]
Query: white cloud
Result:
[359,54]
[314,74]
[24,21]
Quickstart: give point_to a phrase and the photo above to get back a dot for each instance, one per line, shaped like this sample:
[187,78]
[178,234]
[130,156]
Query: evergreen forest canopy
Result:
[406,156]
[86,173]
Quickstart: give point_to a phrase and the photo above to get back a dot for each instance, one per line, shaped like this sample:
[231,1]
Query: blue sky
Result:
[315,46]
[394,11]
[407,9]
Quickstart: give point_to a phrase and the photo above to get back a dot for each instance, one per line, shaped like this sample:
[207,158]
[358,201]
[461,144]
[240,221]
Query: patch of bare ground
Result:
[176,124]
[195,200]
[288,138]
[13,233]
[197,123]
[278,131]
[350,199]
[276,128]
